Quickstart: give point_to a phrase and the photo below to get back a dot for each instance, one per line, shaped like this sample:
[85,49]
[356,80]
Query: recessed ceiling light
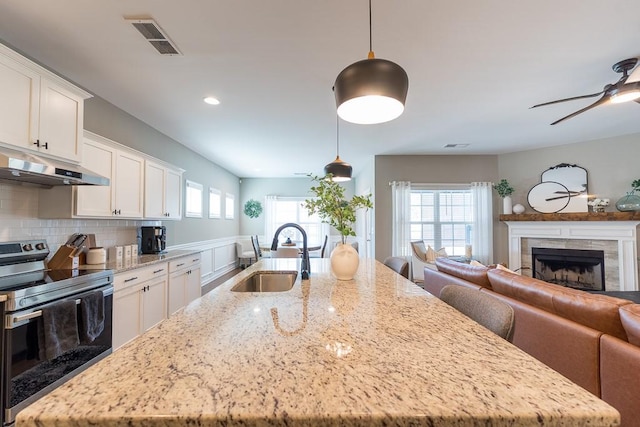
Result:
[211,100]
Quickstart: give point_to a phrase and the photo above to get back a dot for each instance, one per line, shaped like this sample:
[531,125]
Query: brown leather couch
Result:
[594,340]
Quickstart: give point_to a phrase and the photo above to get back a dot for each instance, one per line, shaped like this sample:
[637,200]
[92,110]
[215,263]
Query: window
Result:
[290,209]
[215,203]
[194,199]
[443,218]
[229,206]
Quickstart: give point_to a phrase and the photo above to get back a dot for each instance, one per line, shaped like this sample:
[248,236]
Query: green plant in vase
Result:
[334,209]
[505,190]
[631,201]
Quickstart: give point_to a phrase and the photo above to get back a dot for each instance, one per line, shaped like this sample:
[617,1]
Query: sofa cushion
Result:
[620,378]
[599,312]
[526,289]
[470,273]
[567,347]
[630,316]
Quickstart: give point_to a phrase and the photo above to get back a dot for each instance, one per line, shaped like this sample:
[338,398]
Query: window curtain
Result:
[482,241]
[269,217]
[401,217]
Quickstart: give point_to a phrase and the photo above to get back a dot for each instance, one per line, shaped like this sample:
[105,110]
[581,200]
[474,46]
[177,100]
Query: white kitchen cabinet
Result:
[139,302]
[39,111]
[122,198]
[162,192]
[184,282]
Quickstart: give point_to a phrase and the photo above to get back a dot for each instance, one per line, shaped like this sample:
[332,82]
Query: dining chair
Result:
[321,252]
[285,253]
[490,312]
[398,264]
[245,253]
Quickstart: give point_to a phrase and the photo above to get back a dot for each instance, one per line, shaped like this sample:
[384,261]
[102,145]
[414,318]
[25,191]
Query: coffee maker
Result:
[153,239]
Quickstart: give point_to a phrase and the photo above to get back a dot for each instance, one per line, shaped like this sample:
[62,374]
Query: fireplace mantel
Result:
[574,216]
[620,227]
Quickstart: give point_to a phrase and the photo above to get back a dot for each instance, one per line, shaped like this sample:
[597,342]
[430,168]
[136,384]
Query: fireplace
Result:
[574,268]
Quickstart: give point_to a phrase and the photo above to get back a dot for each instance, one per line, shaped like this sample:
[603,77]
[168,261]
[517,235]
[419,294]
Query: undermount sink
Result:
[267,281]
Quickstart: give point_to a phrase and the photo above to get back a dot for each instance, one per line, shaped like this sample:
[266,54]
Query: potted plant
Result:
[334,209]
[631,201]
[505,190]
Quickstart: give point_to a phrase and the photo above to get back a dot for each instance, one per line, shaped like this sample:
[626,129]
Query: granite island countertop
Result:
[139,261]
[374,351]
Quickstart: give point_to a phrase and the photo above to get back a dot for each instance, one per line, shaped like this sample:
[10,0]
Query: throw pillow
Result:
[432,254]
[503,268]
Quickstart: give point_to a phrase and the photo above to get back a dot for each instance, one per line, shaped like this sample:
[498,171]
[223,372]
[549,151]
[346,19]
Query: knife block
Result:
[65,258]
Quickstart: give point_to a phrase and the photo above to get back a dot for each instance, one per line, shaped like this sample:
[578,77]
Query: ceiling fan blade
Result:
[568,99]
[600,101]
[634,76]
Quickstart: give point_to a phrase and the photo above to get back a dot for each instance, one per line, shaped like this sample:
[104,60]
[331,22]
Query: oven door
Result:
[27,374]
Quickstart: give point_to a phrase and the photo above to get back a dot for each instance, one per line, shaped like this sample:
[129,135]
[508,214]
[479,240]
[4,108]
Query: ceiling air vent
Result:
[456,146]
[154,35]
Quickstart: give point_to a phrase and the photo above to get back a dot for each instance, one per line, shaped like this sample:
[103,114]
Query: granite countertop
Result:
[138,261]
[377,350]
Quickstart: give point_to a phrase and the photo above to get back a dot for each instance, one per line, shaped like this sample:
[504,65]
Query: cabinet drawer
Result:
[139,275]
[184,262]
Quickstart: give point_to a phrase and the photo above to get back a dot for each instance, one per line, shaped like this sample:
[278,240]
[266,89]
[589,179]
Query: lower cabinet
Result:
[184,282]
[139,302]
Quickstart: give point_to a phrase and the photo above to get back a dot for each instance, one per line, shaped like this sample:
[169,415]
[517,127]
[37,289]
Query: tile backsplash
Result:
[19,220]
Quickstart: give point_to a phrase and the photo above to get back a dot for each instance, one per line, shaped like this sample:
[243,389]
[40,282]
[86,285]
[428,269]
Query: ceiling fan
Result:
[627,88]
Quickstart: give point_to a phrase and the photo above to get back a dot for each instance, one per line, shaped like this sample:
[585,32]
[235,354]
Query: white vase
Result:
[506,205]
[344,261]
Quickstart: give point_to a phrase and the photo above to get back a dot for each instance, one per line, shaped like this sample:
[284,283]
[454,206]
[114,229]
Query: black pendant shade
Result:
[371,91]
[339,170]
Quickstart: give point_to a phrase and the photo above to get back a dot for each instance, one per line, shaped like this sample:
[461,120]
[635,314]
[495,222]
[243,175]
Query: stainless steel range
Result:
[56,323]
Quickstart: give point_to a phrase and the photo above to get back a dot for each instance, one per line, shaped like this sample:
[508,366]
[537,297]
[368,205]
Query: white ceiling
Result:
[475,67]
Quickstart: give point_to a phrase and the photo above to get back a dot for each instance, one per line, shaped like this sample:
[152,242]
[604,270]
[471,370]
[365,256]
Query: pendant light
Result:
[340,170]
[372,90]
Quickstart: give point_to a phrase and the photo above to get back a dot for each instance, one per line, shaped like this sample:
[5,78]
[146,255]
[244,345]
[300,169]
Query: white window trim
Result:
[218,214]
[189,212]
[229,198]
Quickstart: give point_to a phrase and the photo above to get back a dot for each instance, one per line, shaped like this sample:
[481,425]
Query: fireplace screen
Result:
[573,268]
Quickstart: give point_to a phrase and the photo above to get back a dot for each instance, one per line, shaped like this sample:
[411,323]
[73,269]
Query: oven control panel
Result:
[23,250]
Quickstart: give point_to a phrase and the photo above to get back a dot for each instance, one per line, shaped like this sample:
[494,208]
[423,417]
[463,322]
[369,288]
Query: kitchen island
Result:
[377,350]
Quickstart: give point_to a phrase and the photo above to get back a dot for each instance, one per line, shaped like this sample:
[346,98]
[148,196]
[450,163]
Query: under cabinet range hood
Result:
[22,168]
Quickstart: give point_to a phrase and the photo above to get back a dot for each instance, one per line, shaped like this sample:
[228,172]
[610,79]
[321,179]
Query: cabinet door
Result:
[126,315]
[154,304]
[154,185]
[19,103]
[96,200]
[177,294]
[129,183]
[61,121]
[173,194]
[193,285]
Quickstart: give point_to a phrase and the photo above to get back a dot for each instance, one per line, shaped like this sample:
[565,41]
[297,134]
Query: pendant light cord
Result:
[371,55]
[337,136]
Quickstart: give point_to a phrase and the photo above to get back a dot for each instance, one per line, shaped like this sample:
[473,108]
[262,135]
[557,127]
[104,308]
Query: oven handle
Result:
[37,313]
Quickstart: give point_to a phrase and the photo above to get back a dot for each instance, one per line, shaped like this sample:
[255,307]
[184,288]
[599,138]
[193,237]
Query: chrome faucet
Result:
[305,269]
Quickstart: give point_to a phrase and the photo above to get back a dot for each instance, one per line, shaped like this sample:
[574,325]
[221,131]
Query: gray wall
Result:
[111,122]
[422,169]
[611,164]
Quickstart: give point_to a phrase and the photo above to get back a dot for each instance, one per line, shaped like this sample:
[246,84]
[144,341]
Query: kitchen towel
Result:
[92,316]
[59,329]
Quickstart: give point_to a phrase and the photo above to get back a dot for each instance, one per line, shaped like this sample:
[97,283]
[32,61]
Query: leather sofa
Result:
[592,339]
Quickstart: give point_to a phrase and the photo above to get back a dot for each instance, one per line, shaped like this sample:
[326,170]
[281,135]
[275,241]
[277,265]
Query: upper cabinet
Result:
[39,111]
[162,191]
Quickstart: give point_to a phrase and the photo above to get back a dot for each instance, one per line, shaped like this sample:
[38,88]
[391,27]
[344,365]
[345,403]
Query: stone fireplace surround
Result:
[616,233]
